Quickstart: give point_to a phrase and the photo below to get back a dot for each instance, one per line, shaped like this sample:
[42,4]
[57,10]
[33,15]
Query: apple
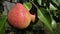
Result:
[20,17]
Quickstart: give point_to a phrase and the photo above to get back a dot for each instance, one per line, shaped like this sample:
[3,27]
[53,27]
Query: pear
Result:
[20,17]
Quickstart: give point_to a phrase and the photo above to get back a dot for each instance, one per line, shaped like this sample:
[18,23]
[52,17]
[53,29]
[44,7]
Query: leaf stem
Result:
[33,3]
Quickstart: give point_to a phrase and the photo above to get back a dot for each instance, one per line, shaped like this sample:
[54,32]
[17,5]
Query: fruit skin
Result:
[33,17]
[19,16]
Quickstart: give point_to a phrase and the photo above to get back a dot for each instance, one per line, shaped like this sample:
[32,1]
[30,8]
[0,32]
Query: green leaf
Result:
[59,1]
[54,24]
[39,2]
[56,2]
[44,16]
[52,7]
[2,24]
[28,5]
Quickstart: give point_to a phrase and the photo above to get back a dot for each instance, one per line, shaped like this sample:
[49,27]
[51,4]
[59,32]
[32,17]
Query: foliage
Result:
[2,24]
[48,13]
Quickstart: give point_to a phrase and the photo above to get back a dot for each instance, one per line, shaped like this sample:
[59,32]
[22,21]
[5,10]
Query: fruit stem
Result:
[33,17]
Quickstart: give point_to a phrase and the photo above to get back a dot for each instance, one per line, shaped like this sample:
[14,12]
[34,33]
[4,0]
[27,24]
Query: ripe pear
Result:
[20,17]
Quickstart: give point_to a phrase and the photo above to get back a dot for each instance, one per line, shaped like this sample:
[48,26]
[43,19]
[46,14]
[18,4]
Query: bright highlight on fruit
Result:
[19,16]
